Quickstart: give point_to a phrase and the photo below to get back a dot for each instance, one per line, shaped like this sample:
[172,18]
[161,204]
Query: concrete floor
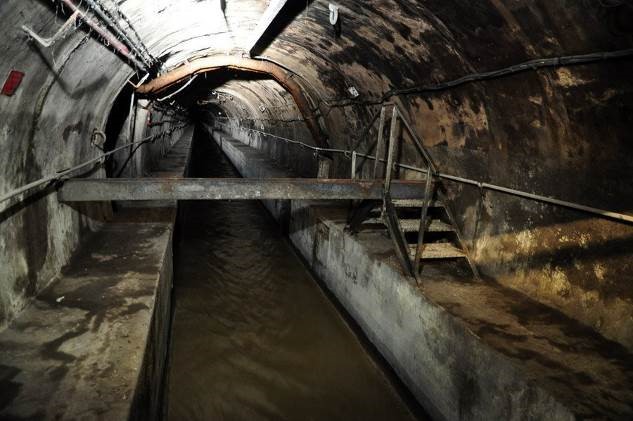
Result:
[79,349]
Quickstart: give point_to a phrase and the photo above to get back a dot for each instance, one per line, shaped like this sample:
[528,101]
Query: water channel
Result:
[254,336]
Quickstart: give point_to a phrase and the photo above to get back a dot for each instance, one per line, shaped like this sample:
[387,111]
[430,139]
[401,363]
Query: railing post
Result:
[428,192]
[324,167]
[395,231]
[380,143]
[393,140]
[354,165]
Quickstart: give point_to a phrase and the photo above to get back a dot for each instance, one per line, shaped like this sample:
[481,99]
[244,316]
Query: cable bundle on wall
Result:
[104,23]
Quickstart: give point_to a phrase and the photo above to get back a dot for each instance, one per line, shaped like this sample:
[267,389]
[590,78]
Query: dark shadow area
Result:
[114,127]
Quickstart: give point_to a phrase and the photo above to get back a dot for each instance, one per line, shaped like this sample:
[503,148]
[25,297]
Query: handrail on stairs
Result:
[388,209]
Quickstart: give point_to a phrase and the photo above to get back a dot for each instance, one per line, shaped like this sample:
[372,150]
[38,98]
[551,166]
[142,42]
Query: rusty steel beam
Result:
[212,64]
[136,189]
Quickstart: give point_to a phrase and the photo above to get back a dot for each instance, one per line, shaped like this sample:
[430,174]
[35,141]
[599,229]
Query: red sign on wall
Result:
[12,83]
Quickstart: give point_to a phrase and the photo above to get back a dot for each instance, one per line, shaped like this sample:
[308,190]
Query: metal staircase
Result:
[422,229]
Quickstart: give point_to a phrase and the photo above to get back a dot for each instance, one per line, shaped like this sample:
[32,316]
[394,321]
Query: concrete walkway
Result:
[93,344]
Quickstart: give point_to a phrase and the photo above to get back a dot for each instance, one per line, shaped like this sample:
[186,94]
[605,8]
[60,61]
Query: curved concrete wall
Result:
[45,127]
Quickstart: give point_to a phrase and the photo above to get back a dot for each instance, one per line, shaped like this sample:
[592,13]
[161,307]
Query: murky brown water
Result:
[253,335]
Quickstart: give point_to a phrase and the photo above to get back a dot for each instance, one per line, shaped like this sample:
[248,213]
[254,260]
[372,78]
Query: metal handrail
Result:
[388,210]
[615,216]
[59,175]
[416,140]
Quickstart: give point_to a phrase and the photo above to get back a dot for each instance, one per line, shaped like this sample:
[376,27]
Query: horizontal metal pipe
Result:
[136,189]
[110,21]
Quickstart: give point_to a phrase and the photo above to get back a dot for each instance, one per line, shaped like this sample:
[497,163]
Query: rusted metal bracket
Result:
[47,42]
[211,64]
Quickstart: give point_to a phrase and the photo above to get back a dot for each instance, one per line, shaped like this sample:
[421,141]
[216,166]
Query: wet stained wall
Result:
[67,92]
[45,127]
[561,132]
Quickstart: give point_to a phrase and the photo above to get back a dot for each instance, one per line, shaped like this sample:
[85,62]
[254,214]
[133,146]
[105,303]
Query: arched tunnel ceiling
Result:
[384,44]
[259,100]
[392,44]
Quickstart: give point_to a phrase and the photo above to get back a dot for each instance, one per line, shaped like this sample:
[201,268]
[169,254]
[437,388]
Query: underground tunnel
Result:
[272,209]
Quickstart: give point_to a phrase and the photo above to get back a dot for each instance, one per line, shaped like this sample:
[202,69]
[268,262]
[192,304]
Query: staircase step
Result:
[438,251]
[415,203]
[374,221]
[413,225]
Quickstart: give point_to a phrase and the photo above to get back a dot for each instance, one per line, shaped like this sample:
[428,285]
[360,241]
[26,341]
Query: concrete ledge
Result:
[93,345]
[466,350]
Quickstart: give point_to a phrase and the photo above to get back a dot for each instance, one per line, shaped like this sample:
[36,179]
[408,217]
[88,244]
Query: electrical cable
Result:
[110,21]
[535,64]
[179,90]
[127,20]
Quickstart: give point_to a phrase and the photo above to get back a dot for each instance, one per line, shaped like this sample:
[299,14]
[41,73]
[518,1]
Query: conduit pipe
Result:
[276,72]
[108,19]
[105,34]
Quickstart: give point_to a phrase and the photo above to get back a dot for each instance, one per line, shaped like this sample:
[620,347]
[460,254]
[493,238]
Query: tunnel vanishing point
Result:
[456,175]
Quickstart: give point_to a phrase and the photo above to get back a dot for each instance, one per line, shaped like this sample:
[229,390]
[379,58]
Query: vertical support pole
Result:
[396,234]
[130,133]
[380,144]
[354,165]
[393,141]
[324,167]
[428,193]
